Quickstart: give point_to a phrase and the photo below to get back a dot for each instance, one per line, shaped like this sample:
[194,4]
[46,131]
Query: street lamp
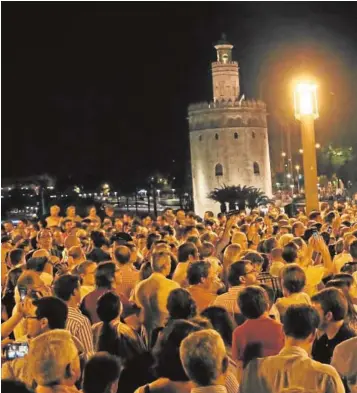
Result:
[306,110]
[297,167]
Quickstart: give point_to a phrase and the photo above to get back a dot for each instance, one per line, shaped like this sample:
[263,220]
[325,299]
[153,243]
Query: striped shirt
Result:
[228,300]
[79,326]
[210,389]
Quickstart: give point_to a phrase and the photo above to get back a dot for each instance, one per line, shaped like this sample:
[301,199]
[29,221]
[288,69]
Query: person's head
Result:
[108,307]
[9,226]
[30,281]
[277,255]
[10,385]
[290,252]
[221,322]
[71,211]
[298,229]
[107,275]
[181,305]
[293,279]
[231,254]
[331,305]
[353,250]
[92,211]
[271,294]
[167,350]
[16,257]
[242,273]
[207,250]
[253,302]
[101,374]
[44,239]
[241,239]
[270,244]
[67,288]
[315,216]
[36,264]
[122,255]
[98,239]
[45,314]
[200,273]
[256,260]
[12,278]
[77,254]
[86,271]
[204,358]
[53,359]
[300,325]
[109,210]
[54,210]
[145,271]
[161,262]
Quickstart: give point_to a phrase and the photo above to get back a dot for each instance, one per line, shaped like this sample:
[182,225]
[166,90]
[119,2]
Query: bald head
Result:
[122,255]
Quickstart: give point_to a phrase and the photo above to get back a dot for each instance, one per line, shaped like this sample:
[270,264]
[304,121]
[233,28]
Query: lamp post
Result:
[305,100]
[297,167]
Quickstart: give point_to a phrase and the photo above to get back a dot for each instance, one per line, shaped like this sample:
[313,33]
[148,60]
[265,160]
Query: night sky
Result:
[99,91]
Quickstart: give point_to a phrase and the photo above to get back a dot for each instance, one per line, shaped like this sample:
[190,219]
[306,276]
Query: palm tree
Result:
[237,195]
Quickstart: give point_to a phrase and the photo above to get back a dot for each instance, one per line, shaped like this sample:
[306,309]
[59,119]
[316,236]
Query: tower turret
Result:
[225,75]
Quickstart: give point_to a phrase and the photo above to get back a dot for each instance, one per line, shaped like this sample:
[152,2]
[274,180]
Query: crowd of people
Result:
[237,302]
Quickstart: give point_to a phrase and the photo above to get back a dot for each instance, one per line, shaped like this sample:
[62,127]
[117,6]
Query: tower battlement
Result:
[222,104]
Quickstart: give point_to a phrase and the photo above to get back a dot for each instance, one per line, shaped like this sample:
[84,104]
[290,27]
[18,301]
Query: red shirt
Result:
[264,330]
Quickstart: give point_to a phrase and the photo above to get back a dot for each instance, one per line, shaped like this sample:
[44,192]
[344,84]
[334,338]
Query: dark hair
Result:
[65,286]
[254,257]
[330,217]
[326,236]
[237,270]
[181,305]
[253,301]
[100,372]
[15,256]
[167,351]
[197,271]
[52,308]
[290,252]
[270,292]
[145,271]
[300,321]
[98,239]
[108,308]
[344,286]
[122,254]
[332,299]
[348,278]
[151,239]
[293,278]
[169,229]
[104,275]
[10,385]
[36,264]
[353,249]
[314,214]
[270,244]
[206,250]
[221,322]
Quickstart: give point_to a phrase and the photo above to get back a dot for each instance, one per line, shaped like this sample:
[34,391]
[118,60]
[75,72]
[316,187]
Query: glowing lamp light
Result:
[301,151]
[305,100]
[297,167]
[283,154]
[317,146]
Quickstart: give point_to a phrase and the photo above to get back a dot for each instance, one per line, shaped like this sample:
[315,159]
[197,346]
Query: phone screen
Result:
[316,257]
[23,293]
[16,350]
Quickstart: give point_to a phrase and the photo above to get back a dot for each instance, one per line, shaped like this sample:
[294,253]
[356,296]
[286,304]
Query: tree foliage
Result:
[238,197]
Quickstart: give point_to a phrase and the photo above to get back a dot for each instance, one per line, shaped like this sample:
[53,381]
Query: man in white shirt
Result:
[151,294]
[292,368]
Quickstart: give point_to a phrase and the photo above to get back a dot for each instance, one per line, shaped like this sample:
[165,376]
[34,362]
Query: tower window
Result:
[218,170]
[216,137]
[200,138]
[236,135]
[256,168]
[253,135]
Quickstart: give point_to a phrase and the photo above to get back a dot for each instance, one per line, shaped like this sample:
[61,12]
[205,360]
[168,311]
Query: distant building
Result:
[228,136]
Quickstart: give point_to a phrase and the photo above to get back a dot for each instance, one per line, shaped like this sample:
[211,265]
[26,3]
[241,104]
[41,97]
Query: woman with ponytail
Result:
[111,335]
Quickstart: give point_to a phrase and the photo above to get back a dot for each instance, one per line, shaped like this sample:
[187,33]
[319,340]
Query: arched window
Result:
[216,137]
[200,138]
[253,134]
[236,135]
[218,170]
[256,168]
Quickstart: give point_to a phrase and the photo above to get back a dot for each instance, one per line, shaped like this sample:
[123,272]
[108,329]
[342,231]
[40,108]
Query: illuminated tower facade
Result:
[228,136]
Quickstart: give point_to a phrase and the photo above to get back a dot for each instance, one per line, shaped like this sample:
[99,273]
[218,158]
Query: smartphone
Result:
[316,258]
[16,350]
[23,293]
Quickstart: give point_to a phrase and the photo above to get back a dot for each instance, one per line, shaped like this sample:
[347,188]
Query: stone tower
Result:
[228,136]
